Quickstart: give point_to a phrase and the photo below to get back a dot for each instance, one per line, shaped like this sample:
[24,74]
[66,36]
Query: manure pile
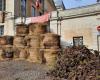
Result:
[77,63]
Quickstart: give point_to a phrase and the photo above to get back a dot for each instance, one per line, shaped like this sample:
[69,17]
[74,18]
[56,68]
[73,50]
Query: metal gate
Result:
[78,41]
[98,42]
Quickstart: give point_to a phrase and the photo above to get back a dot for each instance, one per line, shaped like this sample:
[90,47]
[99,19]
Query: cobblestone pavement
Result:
[22,70]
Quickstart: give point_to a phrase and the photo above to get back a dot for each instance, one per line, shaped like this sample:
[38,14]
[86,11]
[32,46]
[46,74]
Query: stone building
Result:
[14,9]
[78,26]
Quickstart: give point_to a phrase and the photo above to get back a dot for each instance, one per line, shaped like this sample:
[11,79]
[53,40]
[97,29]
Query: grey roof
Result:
[59,4]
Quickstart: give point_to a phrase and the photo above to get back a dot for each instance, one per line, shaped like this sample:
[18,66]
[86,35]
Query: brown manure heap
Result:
[77,63]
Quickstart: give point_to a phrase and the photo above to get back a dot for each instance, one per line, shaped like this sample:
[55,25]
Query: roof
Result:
[59,4]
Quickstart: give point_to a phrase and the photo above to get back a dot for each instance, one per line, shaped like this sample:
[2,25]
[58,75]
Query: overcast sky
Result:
[77,3]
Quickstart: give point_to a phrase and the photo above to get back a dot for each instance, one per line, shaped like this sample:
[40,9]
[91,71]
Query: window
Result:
[23,8]
[2,5]
[1,30]
[33,11]
[78,41]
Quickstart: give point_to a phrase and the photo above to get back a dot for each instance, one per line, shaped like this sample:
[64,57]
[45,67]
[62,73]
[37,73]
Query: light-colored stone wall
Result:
[78,26]
[9,19]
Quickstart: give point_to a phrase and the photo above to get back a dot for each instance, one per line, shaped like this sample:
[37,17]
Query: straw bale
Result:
[33,41]
[16,52]
[8,52]
[1,53]
[51,55]
[35,55]
[3,40]
[23,53]
[22,30]
[37,29]
[50,40]
[19,41]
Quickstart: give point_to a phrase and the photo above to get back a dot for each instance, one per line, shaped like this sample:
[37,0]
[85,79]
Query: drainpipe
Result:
[57,20]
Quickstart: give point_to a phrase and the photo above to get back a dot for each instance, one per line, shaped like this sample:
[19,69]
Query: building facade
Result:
[14,9]
[78,26]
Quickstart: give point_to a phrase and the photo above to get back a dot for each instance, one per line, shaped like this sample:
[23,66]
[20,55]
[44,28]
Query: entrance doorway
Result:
[98,42]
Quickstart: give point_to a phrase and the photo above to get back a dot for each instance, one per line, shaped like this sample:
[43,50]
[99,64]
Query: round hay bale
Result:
[35,55]
[35,41]
[1,53]
[51,55]
[16,52]
[51,40]
[37,29]
[19,41]
[9,40]
[22,30]
[3,40]
[23,54]
[8,52]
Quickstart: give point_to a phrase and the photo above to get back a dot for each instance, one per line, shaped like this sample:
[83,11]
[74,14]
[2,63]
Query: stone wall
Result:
[78,22]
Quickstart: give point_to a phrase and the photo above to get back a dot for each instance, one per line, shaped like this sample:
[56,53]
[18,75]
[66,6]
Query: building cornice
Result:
[79,12]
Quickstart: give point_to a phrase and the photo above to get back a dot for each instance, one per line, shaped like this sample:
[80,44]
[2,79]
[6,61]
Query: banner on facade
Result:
[38,19]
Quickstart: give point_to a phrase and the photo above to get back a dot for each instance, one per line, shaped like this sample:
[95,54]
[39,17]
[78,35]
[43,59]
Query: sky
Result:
[77,3]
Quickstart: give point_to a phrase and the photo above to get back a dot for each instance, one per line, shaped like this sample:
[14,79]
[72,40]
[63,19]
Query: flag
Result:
[40,19]
[37,4]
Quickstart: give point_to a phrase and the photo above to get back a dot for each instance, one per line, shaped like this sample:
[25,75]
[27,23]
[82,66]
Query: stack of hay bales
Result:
[31,42]
[34,41]
[6,47]
[19,43]
[51,47]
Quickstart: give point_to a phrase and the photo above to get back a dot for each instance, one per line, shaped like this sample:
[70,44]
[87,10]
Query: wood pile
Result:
[77,63]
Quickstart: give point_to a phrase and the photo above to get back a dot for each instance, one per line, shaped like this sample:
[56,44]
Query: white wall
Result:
[9,21]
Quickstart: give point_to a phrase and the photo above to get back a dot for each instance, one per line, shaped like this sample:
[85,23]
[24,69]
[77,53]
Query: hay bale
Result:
[23,53]
[33,41]
[6,40]
[51,55]
[2,16]
[37,29]
[16,52]
[9,40]
[3,40]
[51,40]
[8,52]
[19,41]
[22,30]
[1,53]
[35,55]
